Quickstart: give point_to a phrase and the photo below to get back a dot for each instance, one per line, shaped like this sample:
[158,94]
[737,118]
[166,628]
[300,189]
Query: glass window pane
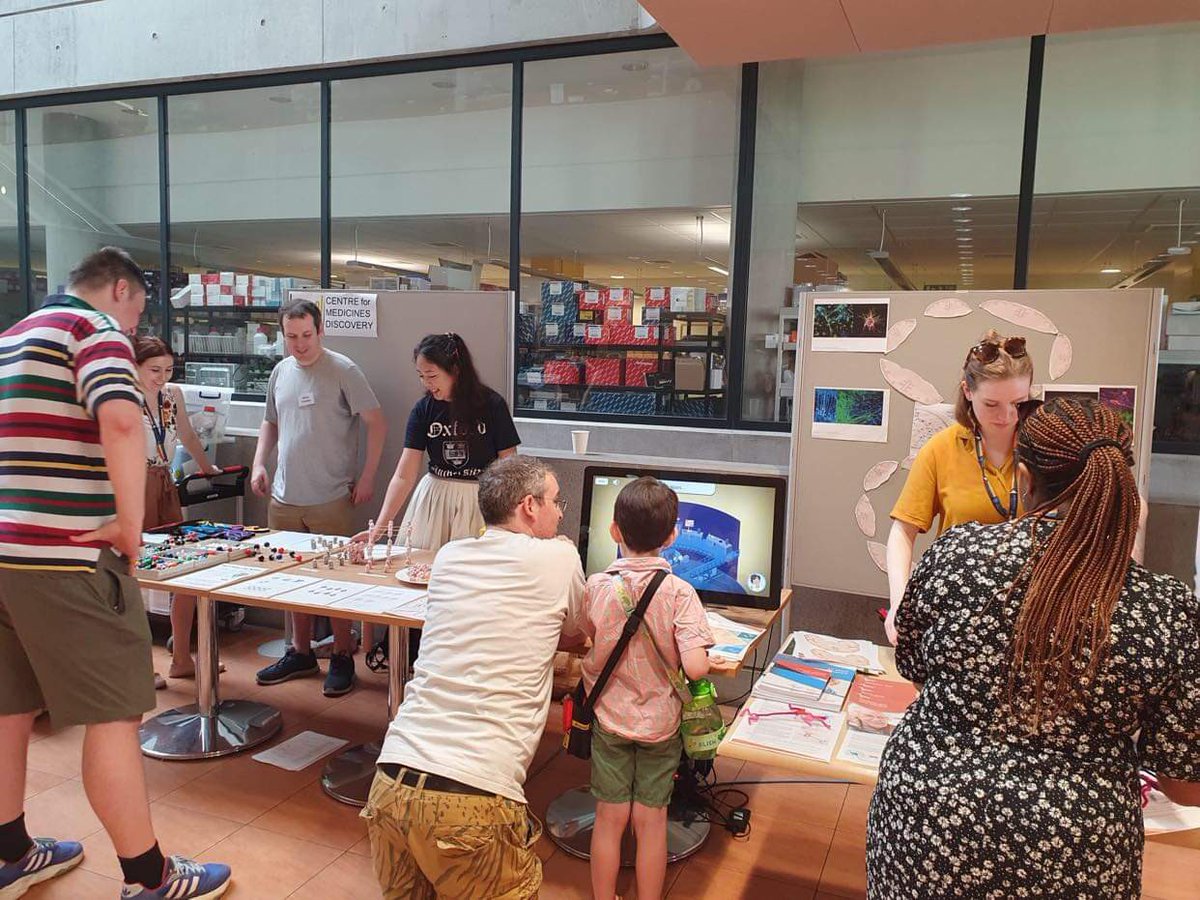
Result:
[421,180]
[245,223]
[882,173]
[1118,189]
[12,304]
[629,165]
[93,181]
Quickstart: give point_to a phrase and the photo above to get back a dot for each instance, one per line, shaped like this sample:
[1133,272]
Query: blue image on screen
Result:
[705,554]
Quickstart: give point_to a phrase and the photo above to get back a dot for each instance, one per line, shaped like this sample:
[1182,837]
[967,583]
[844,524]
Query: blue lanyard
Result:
[1012,494]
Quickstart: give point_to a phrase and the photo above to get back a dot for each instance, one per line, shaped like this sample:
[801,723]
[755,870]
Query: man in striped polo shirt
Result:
[74,639]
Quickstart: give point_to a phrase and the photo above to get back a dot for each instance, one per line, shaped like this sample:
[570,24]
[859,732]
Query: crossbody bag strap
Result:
[627,633]
[674,676]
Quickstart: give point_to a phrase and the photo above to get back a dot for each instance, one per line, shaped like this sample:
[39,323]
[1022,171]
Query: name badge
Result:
[307,399]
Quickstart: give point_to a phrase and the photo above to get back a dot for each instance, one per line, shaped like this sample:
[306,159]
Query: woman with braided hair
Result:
[1053,668]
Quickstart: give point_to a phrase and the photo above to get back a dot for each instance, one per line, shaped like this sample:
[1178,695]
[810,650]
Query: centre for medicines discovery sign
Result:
[345,313]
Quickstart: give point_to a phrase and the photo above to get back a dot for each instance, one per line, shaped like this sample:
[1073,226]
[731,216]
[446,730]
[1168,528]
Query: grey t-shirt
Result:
[316,409]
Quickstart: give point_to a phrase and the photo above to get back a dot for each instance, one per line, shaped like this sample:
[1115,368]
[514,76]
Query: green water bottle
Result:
[702,727]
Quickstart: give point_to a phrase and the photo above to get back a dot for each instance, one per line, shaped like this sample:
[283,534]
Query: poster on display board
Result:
[345,313]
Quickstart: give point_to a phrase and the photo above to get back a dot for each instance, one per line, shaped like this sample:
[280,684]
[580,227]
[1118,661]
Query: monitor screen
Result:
[730,542]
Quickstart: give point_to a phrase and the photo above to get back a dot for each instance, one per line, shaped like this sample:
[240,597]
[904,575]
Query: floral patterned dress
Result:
[966,808]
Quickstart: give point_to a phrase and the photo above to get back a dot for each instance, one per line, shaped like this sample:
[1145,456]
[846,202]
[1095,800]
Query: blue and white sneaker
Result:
[45,859]
[186,880]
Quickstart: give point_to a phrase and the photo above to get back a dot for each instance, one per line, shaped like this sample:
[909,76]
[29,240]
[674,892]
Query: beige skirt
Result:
[443,510]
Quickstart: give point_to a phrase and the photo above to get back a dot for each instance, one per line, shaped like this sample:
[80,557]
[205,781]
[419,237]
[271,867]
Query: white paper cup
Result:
[579,441]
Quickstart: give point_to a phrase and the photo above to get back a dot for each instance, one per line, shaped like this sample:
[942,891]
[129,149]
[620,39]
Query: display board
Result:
[864,357]
[398,320]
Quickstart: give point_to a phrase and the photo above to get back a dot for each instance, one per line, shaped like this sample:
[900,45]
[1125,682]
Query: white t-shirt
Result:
[477,704]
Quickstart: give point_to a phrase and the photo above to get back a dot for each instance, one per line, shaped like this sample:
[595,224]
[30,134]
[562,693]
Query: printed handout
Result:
[851,326]
[733,639]
[851,414]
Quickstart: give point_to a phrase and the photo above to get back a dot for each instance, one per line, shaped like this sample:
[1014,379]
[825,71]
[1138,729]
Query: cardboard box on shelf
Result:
[684,299]
[1183,342]
[210,277]
[560,371]
[636,371]
[618,333]
[526,329]
[227,278]
[658,298]
[689,373]
[651,315]
[619,296]
[614,314]
[531,375]
[595,334]
[628,403]
[591,299]
[605,370]
[645,334]
[1183,323]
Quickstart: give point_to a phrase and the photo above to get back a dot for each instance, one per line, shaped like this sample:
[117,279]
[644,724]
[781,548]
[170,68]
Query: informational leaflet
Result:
[874,708]
[860,655]
[787,728]
[733,639]
[272,585]
[323,593]
[382,600]
[301,751]
[212,577]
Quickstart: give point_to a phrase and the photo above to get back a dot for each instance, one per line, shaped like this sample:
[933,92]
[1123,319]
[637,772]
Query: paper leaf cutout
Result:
[898,333]
[947,308]
[1060,357]
[878,554]
[1019,314]
[928,421]
[879,473]
[909,383]
[907,462]
[864,515]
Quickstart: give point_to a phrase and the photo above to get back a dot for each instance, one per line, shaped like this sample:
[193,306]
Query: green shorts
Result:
[75,643]
[624,770]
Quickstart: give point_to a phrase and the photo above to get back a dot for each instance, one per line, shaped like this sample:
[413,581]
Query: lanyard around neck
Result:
[1011,512]
[159,428]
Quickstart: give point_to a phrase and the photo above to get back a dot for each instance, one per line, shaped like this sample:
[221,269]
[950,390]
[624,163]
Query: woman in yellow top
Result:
[966,472]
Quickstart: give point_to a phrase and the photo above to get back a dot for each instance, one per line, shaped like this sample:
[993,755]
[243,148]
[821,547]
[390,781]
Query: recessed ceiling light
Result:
[1110,270]
[1189,242]
[616,276]
[960,209]
[719,270]
[966,240]
[3,190]
[963,230]
[962,221]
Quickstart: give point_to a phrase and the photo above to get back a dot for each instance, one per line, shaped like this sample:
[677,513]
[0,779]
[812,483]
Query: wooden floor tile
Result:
[181,831]
[349,877]
[312,815]
[268,866]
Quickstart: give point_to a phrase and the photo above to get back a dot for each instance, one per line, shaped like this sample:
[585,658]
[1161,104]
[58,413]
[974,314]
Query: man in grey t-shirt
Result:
[315,399]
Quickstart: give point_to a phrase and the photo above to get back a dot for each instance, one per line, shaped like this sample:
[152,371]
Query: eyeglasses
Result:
[560,503]
[989,351]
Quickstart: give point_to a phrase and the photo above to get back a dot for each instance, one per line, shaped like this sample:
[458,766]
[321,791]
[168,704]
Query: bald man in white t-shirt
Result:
[448,804]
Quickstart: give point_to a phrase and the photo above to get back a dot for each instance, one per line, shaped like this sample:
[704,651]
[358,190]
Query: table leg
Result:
[348,775]
[210,727]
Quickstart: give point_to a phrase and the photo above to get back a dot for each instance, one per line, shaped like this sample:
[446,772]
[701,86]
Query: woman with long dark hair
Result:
[462,426]
[1054,667]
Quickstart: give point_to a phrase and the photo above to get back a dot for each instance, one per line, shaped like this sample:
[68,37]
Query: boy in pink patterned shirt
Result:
[636,746]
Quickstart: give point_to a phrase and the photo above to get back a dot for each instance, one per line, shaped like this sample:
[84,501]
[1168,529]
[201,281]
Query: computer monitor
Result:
[731,531]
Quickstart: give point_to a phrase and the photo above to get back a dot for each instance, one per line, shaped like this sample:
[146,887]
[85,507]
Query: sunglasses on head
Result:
[988,351]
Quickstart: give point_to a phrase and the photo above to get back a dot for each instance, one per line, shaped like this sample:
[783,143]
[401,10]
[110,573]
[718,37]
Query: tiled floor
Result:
[286,838]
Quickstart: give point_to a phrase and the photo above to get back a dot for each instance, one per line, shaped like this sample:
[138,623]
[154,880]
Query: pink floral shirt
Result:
[639,702]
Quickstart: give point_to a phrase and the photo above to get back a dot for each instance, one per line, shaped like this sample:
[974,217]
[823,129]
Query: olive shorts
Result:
[75,643]
[435,844]
[625,770]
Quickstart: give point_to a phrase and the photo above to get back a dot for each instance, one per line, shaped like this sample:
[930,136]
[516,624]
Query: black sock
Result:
[148,870]
[14,840]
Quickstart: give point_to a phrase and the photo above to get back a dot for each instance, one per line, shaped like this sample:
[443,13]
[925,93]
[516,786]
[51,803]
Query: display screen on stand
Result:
[730,541]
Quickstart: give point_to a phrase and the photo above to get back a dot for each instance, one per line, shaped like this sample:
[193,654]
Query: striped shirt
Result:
[57,365]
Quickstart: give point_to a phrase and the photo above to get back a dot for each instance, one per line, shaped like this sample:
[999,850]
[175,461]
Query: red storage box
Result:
[659,297]
[645,334]
[591,299]
[621,296]
[618,333]
[560,371]
[614,314]
[636,371]
[605,370]
[595,334]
